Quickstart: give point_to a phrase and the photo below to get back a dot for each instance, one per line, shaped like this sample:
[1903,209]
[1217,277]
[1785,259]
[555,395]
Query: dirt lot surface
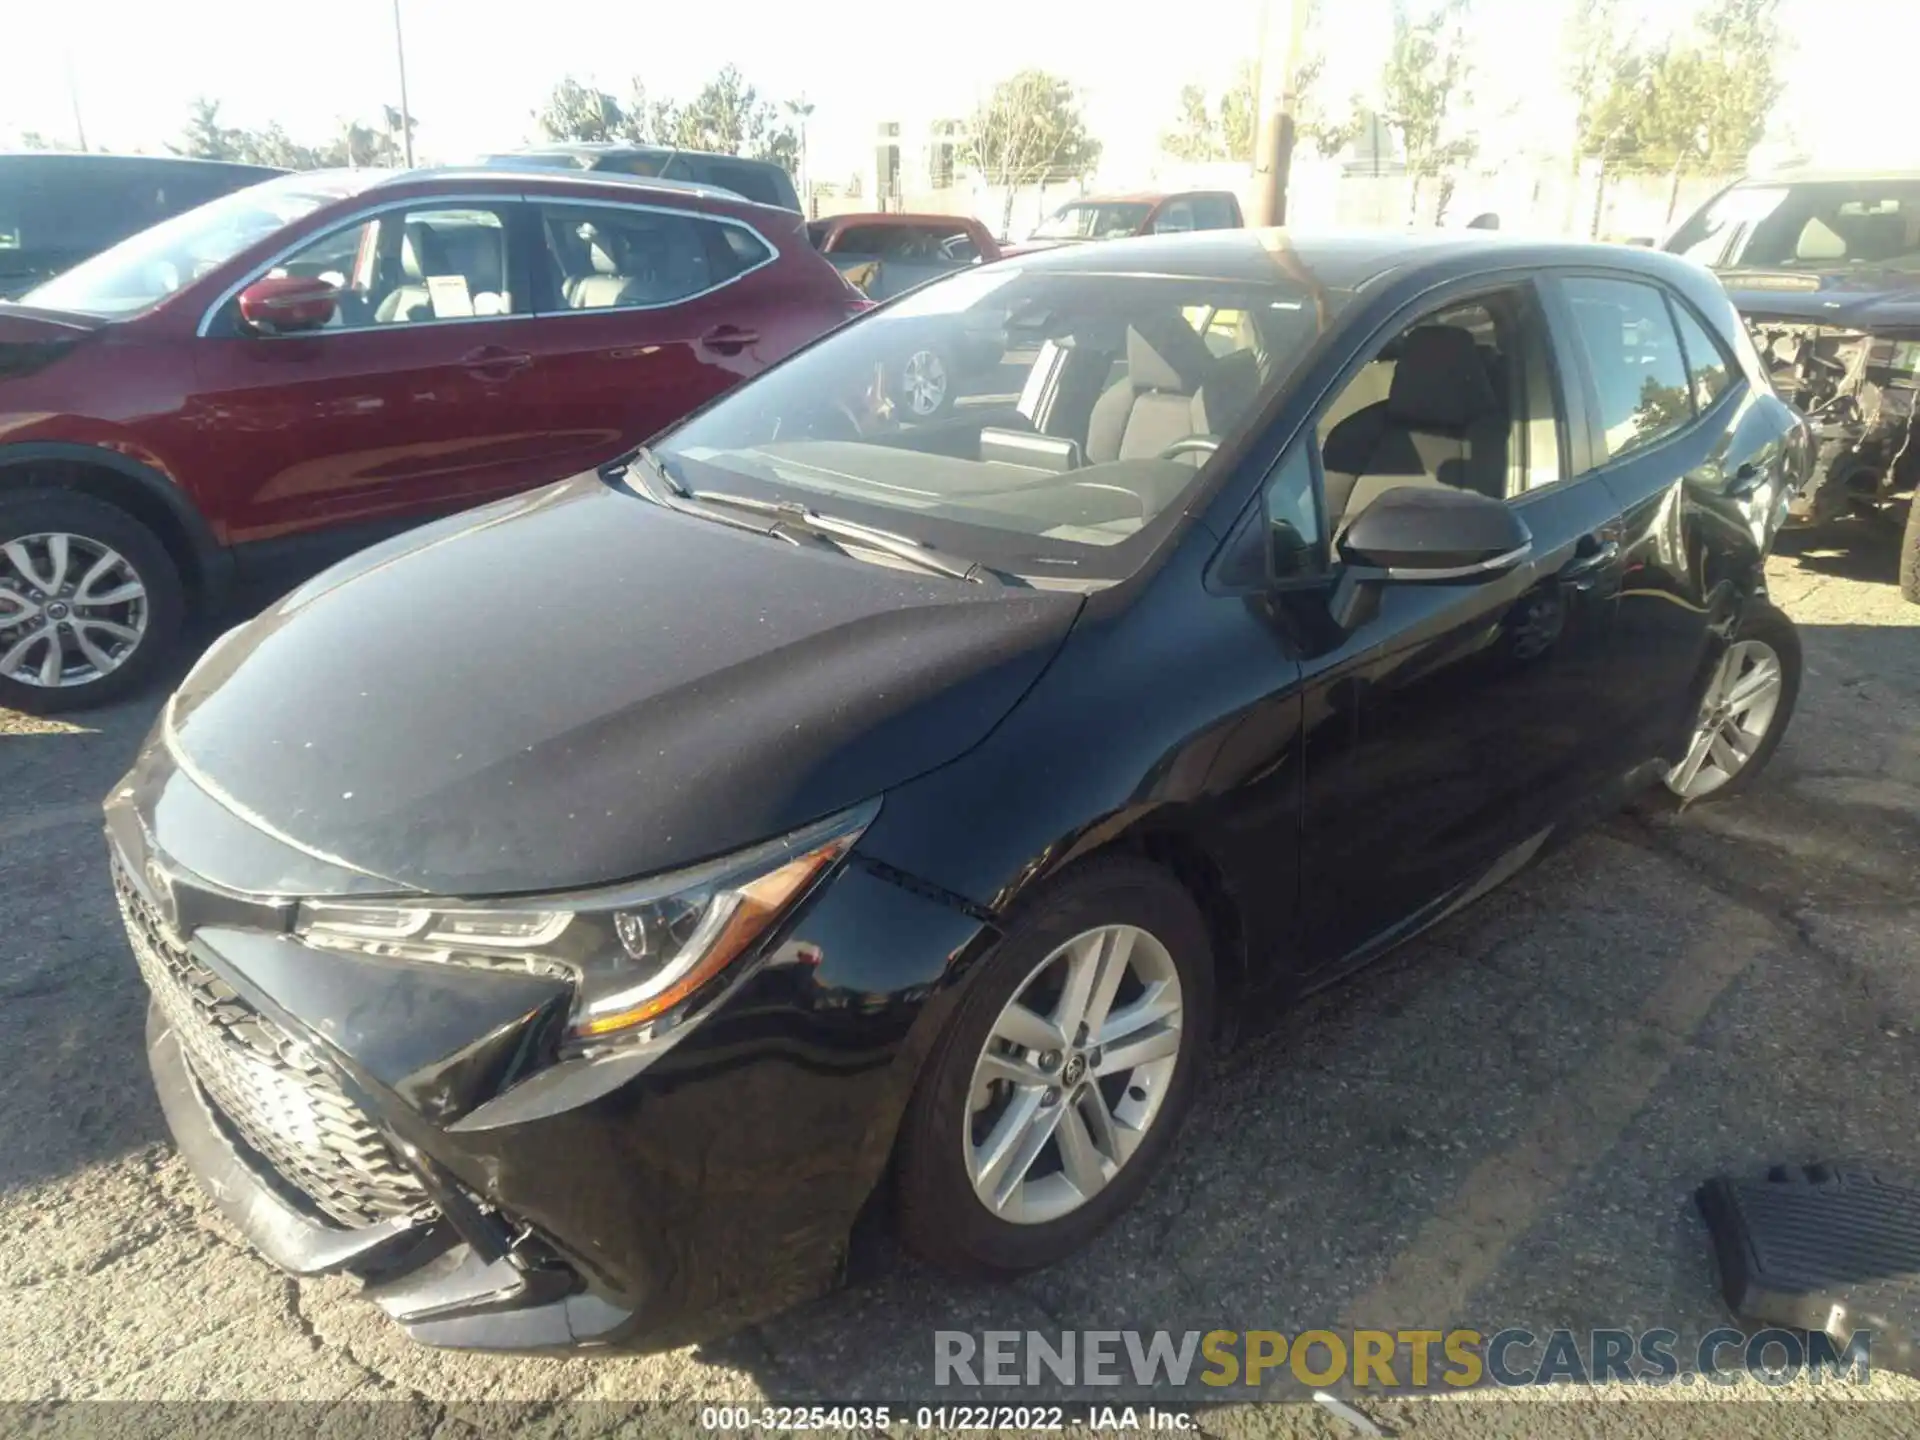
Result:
[1500,1126]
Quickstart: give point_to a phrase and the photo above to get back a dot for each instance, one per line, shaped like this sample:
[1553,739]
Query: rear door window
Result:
[1708,368]
[1633,353]
[602,257]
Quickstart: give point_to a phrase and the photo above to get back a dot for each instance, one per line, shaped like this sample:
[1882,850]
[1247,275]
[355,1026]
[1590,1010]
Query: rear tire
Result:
[1731,724]
[1910,551]
[1130,1101]
[90,602]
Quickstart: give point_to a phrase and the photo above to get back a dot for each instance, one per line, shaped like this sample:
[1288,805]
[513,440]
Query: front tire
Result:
[1060,1083]
[90,602]
[1745,712]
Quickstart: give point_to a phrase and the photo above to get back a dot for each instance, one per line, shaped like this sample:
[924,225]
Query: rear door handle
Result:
[1599,555]
[494,362]
[729,339]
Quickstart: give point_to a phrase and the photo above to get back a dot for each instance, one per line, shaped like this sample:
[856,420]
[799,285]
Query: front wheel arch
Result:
[141,491]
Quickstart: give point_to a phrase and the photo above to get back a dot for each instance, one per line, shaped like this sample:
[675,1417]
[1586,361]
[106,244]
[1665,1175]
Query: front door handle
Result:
[495,362]
[1596,557]
[729,339]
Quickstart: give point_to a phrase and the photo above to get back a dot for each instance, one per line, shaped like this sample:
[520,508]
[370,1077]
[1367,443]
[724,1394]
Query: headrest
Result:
[420,252]
[1439,382]
[1166,355]
[605,252]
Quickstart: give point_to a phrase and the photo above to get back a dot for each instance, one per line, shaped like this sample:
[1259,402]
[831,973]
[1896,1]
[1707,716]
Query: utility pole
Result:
[1283,26]
[406,115]
[73,96]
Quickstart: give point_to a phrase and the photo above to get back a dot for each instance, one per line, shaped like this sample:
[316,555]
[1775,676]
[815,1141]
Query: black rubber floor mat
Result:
[1829,1249]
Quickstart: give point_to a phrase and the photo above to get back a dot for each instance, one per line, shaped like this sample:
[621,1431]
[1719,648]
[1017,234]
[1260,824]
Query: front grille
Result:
[268,1086]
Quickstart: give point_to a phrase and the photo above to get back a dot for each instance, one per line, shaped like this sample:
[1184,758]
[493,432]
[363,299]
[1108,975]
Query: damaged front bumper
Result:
[1860,394]
[413,1125]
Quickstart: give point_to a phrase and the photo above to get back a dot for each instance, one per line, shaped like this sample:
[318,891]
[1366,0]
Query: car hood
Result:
[577,686]
[1873,299]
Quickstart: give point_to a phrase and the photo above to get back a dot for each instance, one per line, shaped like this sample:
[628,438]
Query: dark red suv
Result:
[266,383]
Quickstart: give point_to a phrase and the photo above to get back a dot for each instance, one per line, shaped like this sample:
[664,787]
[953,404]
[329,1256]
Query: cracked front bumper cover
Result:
[448,1294]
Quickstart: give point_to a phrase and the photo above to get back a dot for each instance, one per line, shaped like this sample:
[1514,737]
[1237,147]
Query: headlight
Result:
[635,953]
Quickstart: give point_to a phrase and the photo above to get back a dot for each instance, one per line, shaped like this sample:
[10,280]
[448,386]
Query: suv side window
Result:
[1633,352]
[1708,367]
[602,258]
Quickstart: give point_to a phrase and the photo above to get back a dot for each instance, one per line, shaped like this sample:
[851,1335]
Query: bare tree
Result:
[1029,131]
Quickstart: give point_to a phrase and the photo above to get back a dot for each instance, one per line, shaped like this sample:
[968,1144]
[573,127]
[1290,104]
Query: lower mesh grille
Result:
[267,1085]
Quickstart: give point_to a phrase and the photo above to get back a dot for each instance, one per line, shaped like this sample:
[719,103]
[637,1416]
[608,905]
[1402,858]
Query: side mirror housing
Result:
[1434,534]
[288,304]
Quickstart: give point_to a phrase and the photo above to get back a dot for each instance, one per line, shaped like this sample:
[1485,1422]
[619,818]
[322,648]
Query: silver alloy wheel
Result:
[924,378]
[72,610]
[1073,1074]
[1734,719]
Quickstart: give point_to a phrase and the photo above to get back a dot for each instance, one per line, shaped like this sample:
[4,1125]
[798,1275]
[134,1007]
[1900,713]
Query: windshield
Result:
[1089,221]
[1037,420]
[146,268]
[1822,225]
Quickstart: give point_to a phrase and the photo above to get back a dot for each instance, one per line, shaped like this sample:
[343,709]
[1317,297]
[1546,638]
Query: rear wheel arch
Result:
[140,491]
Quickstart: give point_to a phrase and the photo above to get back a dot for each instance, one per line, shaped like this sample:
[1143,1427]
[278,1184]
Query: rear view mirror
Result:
[1430,533]
[288,304]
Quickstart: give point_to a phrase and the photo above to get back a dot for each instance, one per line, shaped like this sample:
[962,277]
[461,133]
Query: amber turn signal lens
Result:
[751,909]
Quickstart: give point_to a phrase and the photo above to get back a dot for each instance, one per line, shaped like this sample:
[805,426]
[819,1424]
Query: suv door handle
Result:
[495,362]
[729,339]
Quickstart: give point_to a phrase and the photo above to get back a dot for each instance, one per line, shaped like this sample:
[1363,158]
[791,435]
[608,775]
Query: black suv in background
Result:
[1826,269]
[57,210]
[761,181]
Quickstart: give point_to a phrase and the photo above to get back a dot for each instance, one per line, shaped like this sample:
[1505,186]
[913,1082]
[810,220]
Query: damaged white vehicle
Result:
[1826,270]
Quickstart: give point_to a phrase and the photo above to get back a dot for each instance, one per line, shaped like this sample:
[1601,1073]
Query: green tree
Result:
[728,117]
[34,140]
[1424,78]
[1196,134]
[204,137]
[1029,131]
[579,112]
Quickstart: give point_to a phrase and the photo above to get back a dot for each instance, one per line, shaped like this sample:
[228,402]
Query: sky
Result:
[478,69]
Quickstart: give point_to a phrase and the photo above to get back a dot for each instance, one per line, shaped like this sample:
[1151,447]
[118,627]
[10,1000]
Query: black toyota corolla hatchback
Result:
[571,915]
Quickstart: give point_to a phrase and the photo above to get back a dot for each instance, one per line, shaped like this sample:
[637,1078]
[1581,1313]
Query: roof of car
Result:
[1811,175]
[1342,260]
[97,157]
[581,180]
[896,217]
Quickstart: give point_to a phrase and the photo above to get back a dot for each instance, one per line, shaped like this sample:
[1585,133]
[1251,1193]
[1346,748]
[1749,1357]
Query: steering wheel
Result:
[1190,445]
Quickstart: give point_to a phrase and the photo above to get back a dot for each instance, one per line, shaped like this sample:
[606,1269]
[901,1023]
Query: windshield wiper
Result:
[795,516]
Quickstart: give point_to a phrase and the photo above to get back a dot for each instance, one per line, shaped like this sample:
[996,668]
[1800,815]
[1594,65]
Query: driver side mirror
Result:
[288,304]
[1425,535]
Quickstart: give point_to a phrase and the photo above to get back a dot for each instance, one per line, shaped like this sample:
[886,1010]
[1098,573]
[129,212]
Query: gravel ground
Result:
[1501,1125]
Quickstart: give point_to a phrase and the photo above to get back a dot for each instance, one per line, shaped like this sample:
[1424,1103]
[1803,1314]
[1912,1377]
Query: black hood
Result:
[577,686]
[1868,299]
